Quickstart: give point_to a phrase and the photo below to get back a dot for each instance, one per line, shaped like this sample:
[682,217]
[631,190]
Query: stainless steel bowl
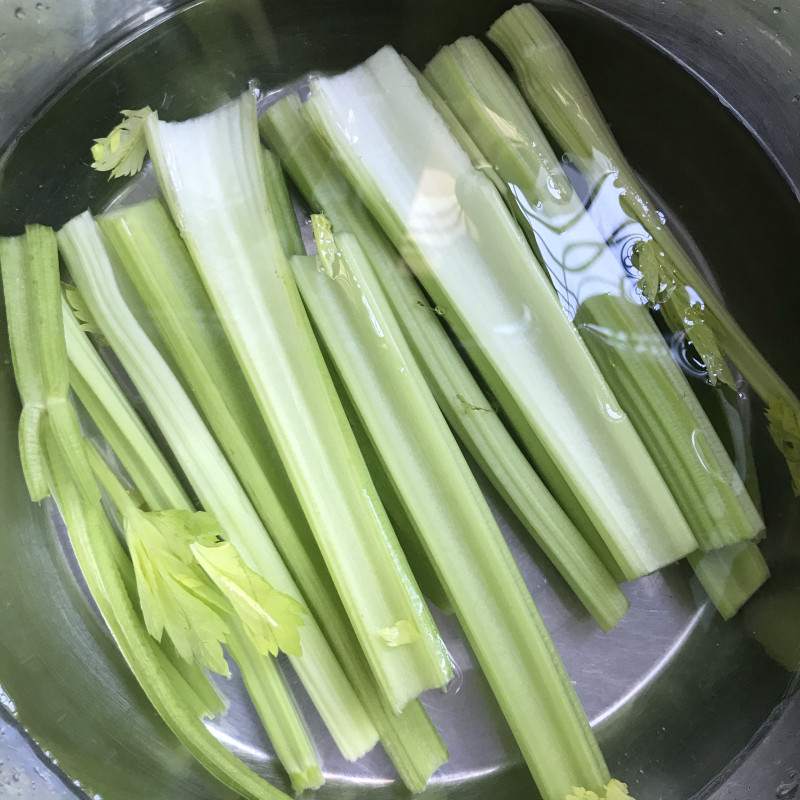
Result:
[704,97]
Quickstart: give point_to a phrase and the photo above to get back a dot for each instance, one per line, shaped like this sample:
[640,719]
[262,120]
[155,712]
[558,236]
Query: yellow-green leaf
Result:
[122,152]
[784,427]
[270,618]
[174,593]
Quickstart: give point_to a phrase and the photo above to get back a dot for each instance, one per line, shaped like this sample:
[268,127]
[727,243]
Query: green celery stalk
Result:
[72,484]
[465,406]
[280,205]
[452,519]
[270,694]
[558,94]
[273,702]
[453,229]
[210,172]
[150,251]
[210,474]
[116,419]
[15,254]
[623,340]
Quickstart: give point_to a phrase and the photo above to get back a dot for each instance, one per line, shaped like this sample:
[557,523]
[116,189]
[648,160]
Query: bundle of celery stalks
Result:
[464,298]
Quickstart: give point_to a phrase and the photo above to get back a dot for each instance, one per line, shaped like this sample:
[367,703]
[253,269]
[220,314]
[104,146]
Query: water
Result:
[712,181]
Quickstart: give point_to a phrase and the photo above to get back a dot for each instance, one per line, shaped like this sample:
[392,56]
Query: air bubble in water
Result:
[19,12]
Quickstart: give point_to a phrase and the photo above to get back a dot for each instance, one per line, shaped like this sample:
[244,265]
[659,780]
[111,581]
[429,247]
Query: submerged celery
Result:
[622,338]
[209,474]
[465,406]
[149,249]
[210,172]
[72,484]
[454,230]
[262,677]
[563,102]
[452,520]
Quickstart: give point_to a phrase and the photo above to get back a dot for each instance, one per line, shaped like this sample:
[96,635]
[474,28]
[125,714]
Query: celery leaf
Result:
[174,593]
[681,312]
[270,618]
[122,152]
[784,427]
[80,310]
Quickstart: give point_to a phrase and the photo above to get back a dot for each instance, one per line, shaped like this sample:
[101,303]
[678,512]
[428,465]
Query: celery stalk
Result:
[119,423]
[271,696]
[150,251]
[72,484]
[15,255]
[452,520]
[623,340]
[453,228]
[210,474]
[630,350]
[559,96]
[210,172]
[272,700]
[465,406]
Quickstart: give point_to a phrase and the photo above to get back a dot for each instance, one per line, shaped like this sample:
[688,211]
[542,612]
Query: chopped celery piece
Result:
[150,251]
[467,143]
[119,423]
[558,94]
[410,739]
[453,521]
[730,575]
[270,694]
[465,406]
[210,474]
[15,255]
[273,702]
[72,484]
[622,338]
[454,230]
[211,174]
[652,389]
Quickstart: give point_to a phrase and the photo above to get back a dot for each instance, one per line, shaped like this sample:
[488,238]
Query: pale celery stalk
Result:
[210,474]
[262,677]
[72,484]
[452,520]
[455,127]
[292,242]
[149,249]
[465,406]
[623,340]
[558,94]
[452,227]
[211,174]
